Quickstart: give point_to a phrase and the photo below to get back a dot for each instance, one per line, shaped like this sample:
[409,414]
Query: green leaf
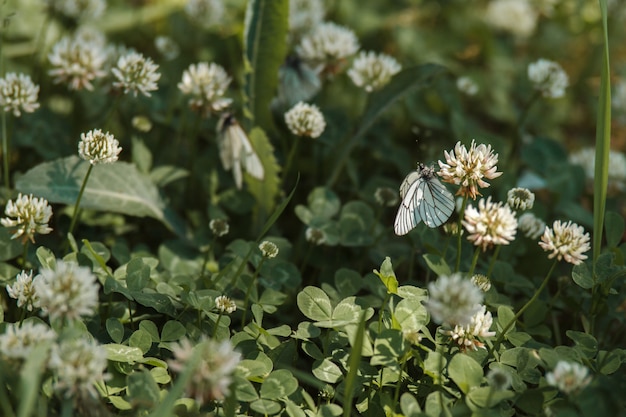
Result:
[353,365]
[265,48]
[582,276]
[505,315]
[142,389]
[585,342]
[265,191]
[137,274]
[141,155]
[327,371]
[163,175]
[118,188]
[150,328]
[9,248]
[409,405]
[614,228]
[355,223]
[46,258]
[388,276]
[411,314]
[388,347]
[115,329]
[485,397]
[465,372]
[314,303]
[172,331]
[279,384]
[437,264]
[260,365]
[30,378]
[140,339]
[348,282]
[121,353]
[244,390]
[266,407]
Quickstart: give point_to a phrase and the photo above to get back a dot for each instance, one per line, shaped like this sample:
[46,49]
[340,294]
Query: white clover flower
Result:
[520,198]
[467,86]
[213,375]
[491,224]
[315,236]
[136,73]
[236,151]
[67,292]
[453,300]
[77,9]
[482,282]
[90,35]
[569,377]
[17,341]
[531,226]
[206,84]
[98,147]
[386,196]
[219,227]
[371,71]
[304,15]
[225,304]
[328,43]
[27,215]
[548,77]
[498,379]
[18,93]
[205,13]
[77,62]
[466,335]
[268,249]
[566,241]
[305,120]
[514,16]
[586,158]
[78,364]
[167,47]
[469,168]
[412,336]
[23,291]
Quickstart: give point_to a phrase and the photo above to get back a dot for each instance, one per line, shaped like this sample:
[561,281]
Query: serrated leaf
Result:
[265,191]
[117,187]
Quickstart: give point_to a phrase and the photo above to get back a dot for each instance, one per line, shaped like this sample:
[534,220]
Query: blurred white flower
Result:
[467,86]
[23,291]
[78,364]
[205,13]
[98,147]
[386,196]
[219,227]
[304,15]
[520,198]
[77,9]
[167,47]
[315,236]
[225,304]
[27,215]
[18,93]
[453,300]
[371,71]
[514,16]
[498,379]
[77,62]
[305,120]
[466,335]
[491,224]
[67,292]
[136,73]
[328,43]
[206,84]
[566,241]
[213,375]
[17,341]
[569,377]
[586,158]
[548,77]
[531,226]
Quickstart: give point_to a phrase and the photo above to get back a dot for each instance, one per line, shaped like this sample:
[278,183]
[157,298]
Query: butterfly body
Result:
[424,198]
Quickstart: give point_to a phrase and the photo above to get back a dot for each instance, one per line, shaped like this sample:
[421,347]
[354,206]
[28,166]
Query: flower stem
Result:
[246,299]
[493,261]
[76,214]
[460,234]
[474,261]
[291,157]
[217,324]
[5,150]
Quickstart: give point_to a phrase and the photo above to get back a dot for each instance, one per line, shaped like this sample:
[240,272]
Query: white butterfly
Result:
[236,152]
[424,198]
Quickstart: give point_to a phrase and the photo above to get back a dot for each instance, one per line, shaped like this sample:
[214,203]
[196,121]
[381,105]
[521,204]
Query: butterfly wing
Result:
[407,217]
[250,160]
[408,181]
[434,202]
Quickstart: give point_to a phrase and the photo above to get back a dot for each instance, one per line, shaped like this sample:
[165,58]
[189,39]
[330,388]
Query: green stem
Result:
[490,396]
[5,148]
[460,234]
[291,157]
[382,309]
[474,261]
[524,308]
[493,261]
[76,213]
[217,324]
[247,297]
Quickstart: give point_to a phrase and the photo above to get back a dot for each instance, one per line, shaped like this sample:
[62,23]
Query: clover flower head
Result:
[499,379]
[23,291]
[27,215]
[78,364]
[213,375]
[482,282]
[167,47]
[517,17]
[466,85]
[206,84]
[304,15]
[77,62]
[548,77]
[17,341]
[466,335]
[569,377]
[453,300]
[305,120]
[315,236]
[18,94]
[586,158]
[520,198]
[136,73]
[469,168]
[386,196]
[77,9]
[98,147]
[372,71]
[268,249]
[219,227]
[67,291]
[491,224]
[205,13]
[142,123]
[225,304]
[566,241]
[530,225]
[412,336]
[328,44]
